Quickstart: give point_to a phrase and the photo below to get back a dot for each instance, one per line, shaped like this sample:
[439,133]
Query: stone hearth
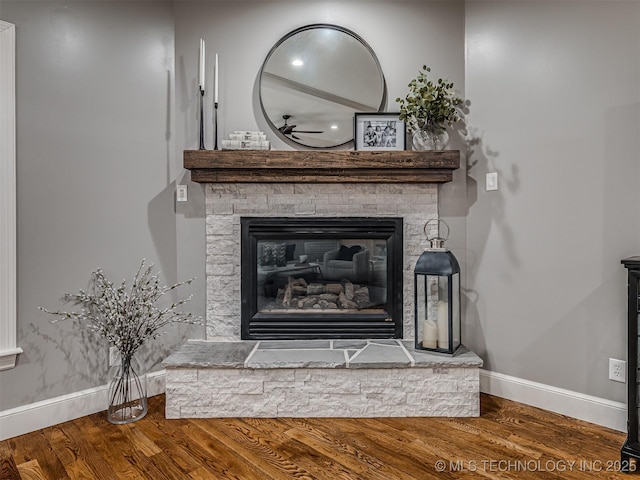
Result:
[319,378]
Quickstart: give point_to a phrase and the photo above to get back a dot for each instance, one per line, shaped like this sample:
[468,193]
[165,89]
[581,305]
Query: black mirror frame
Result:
[295,32]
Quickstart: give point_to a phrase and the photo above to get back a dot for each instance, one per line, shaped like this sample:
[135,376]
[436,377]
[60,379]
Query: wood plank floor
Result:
[509,440]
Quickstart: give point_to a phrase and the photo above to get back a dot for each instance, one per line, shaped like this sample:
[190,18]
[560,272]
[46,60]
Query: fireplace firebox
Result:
[320,278]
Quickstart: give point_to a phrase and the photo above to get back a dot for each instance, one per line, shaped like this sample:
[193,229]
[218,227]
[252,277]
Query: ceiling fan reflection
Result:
[287,129]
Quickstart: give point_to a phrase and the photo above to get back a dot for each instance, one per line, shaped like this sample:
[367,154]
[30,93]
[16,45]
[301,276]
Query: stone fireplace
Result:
[345,359]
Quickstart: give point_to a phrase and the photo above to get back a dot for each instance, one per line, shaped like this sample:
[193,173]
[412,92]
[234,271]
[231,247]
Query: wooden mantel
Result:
[326,166]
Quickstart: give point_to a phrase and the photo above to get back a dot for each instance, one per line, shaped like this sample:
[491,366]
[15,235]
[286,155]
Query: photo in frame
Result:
[378,131]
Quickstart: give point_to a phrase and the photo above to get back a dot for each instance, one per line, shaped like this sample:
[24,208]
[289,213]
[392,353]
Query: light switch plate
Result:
[492,181]
[181,193]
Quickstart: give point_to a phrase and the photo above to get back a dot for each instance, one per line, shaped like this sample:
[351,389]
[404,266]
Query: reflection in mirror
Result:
[314,79]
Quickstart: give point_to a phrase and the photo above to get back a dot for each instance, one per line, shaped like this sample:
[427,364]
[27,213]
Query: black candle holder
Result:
[215,127]
[201,119]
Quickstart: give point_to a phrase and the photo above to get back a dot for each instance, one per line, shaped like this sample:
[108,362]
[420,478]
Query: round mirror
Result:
[314,79]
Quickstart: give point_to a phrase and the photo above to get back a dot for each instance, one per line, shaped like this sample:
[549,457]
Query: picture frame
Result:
[378,131]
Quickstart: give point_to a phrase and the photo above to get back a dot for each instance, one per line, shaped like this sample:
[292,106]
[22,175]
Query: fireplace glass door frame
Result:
[267,325]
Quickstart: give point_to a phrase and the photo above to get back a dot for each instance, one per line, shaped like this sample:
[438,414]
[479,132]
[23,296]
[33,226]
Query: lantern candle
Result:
[437,294]
[429,334]
[443,324]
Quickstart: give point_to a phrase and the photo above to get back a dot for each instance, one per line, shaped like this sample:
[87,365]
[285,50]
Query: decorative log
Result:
[335,288]
[318,288]
[307,302]
[346,304]
[329,297]
[298,289]
[288,294]
[323,304]
[349,291]
[362,297]
[342,300]
[315,289]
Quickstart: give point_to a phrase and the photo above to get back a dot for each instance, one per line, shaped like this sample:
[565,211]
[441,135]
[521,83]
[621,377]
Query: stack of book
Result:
[246,140]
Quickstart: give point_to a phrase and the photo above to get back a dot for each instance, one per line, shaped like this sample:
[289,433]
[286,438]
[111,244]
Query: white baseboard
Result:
[32,417]
[566,402]
[28,418]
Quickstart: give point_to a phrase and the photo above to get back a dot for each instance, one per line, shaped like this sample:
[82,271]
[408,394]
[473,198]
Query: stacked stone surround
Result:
[227,203]
[379,378]
[227,377]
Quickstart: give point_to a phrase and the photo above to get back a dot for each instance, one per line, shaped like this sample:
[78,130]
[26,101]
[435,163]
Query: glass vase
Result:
[127,391]
[430,137]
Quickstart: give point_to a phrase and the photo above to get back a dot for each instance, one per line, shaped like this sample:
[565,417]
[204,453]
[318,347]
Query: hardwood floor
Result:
[509,440]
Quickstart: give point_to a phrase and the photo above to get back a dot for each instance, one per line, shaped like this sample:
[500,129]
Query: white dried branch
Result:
[127,317]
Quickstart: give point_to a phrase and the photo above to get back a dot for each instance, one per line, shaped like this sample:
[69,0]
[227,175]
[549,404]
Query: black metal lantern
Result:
[437,297]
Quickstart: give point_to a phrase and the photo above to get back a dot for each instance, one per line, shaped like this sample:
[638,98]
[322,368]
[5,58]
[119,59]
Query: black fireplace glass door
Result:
[321,278]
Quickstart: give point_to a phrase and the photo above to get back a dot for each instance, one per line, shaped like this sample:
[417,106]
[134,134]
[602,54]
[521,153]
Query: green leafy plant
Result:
[429,104]
[126,316]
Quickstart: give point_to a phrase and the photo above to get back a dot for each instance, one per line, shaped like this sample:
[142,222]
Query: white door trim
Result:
[9,349]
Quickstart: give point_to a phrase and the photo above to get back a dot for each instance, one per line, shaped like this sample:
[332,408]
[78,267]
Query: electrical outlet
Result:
[617,370]
[114,356]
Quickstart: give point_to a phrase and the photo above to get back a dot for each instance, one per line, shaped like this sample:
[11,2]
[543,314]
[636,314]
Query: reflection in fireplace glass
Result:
[322,276]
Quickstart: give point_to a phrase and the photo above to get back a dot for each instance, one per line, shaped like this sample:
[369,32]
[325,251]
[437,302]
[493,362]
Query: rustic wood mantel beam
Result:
[334,166]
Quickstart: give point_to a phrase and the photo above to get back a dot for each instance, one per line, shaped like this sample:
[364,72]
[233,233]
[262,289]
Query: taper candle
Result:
[215,82]
[201,65]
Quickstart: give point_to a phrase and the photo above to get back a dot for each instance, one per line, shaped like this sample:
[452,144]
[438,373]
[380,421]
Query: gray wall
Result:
[101,130]
[554,108]
[95,160]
